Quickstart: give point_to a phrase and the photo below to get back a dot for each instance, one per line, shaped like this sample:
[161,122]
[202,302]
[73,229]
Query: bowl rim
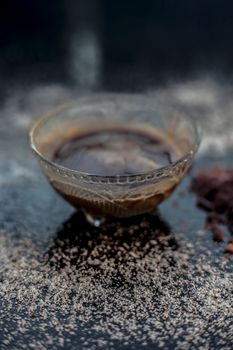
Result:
[106,96]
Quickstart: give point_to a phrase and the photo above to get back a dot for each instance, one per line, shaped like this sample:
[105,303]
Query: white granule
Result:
[132,289]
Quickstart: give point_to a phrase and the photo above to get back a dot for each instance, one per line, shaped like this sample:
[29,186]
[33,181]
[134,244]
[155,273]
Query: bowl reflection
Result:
[131,244]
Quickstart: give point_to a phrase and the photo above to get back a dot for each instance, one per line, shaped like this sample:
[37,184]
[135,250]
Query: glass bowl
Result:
[121,195]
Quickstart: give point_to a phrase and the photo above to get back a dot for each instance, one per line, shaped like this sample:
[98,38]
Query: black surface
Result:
[42,245]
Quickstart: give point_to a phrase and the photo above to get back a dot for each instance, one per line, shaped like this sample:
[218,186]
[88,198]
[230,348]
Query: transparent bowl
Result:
[121,195]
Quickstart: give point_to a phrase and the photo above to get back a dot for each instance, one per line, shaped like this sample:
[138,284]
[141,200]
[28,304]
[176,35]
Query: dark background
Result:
[104,44]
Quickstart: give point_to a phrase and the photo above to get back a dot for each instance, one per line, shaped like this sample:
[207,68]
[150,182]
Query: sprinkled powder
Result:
[152,282]
[214,188]
[116,286]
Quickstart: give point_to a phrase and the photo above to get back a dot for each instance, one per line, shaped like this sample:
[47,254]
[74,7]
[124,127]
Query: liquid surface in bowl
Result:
[115,151]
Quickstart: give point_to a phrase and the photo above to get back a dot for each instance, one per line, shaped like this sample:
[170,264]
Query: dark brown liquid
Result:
[115,152]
